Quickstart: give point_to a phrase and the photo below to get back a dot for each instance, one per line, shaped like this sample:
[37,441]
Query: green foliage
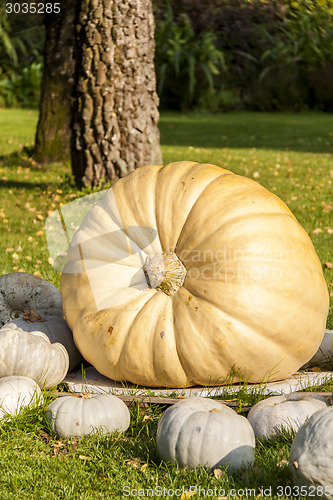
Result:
[279,54]
[300,59]
[309,33]
[21,88]
[9,45]
[306,39]
[20,60]
[186,63]
[236,25]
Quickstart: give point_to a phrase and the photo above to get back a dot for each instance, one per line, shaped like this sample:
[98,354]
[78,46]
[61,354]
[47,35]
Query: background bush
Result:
[219,55]
[21,54]
[278,54]
[186,62]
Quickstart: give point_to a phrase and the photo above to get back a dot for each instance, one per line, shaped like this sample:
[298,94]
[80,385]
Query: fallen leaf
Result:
[329,265]
[147,417]
[134,462]
[45,437]
[58,444]
[218,473]
[187,494]
[295,464]
[144,467]
[84,457]
[32,316]
[327,207]
[72,445]
[99,474]
[282,463]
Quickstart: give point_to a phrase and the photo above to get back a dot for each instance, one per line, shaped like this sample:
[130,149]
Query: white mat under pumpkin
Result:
[92,381]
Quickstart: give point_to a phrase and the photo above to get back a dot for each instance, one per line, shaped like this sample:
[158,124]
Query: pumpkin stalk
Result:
[165,272]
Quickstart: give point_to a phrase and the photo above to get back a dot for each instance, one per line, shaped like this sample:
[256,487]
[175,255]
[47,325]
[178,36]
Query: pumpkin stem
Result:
[15,313]
[164,271]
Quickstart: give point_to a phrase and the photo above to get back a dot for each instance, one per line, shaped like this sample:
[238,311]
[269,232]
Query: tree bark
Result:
[52,141]
[115,101]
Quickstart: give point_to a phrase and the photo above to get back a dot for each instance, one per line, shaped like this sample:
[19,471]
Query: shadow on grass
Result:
[23,157]
[303,132]
[29,186]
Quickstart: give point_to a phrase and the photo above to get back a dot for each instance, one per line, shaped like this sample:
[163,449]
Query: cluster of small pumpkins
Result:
[37,350]
[139,314]
[204,432]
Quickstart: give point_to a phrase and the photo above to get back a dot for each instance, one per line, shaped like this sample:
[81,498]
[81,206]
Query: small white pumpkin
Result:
[203,432]
[325,352]
[17,393]
[22,291]
[55,328]
[269,416]
[32,355]
[311,453]
[80,416]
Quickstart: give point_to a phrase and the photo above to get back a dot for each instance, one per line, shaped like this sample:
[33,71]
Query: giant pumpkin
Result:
[184,274]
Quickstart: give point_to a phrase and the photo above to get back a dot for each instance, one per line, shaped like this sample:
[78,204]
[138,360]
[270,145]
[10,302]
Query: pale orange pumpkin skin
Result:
[254,301]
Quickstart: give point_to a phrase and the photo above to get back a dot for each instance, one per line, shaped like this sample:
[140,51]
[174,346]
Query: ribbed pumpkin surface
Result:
[253,301]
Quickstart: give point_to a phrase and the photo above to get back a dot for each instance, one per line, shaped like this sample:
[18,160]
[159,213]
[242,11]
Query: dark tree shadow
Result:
[29,186]
[306,132]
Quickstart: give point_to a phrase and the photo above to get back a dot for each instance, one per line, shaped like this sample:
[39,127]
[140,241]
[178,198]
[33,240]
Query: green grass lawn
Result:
[289,154]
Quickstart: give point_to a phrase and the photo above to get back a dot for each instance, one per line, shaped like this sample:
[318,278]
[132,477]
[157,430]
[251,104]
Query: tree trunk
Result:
[52,142]
[115,101]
